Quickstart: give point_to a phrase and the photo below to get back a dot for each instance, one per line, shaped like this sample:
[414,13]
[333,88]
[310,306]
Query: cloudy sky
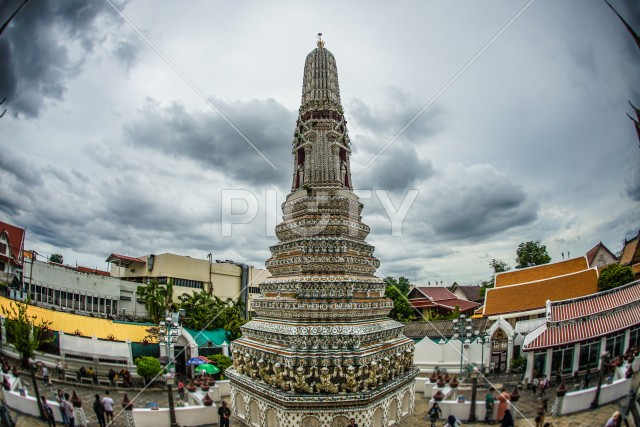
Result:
[130,127]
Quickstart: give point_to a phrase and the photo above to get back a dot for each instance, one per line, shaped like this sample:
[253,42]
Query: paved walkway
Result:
[526,407]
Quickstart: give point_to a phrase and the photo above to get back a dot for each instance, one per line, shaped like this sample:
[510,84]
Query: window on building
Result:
[124,298]
[634,337]
[589,355]
[562,359]
[2,266]
[3,248]
[615,344]
[539,363]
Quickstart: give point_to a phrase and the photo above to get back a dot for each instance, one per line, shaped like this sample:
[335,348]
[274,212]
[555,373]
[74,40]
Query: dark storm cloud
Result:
[475,203]
[399,109]
[395,170]
[208,139]
[18,166]
[44,46]
[632,183]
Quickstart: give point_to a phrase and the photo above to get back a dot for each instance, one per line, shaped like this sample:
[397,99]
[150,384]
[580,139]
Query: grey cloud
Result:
[35,50]
[127,53]
[19,167]
[632,184]
[399,109]
[209,140]
[395,170]
[475,203]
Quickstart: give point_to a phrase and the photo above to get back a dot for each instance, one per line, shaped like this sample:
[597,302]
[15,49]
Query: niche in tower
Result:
[344,176]
[300,168]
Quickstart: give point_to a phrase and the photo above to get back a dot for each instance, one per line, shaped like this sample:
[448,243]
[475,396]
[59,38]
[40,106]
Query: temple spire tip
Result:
[320,43]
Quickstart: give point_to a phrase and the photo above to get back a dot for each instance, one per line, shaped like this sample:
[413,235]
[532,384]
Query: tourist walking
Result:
[107,401]
[45,374]
[181,389]
[68,407]
[434,413]
[507,419]
[48,412]
[63,411]
[504,401]
[615,420]
[489,403]
[98,408]
[224,413]
[59,372]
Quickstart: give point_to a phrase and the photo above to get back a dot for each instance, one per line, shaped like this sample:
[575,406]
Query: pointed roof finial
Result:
[320,43]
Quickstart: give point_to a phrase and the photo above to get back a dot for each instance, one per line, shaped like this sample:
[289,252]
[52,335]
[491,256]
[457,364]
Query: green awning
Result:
[206,338]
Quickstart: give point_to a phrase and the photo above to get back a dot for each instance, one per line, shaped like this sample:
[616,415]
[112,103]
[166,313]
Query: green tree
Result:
[206,311]
[221,361]
[57,258]
[402,310]
[531,253]
[148,367]
[498,266]
[25,332]
[402,284]
[614,275]
[157,298]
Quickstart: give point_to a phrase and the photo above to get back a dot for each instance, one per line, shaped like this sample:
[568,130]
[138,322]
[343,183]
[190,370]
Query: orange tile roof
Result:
[540,272]
[534,295]
[630,251]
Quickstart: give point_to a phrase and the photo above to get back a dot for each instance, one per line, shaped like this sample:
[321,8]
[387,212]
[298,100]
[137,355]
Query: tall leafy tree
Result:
[402,310]
[57,258]
[206,311]
[614,275]
[25,332]
[402,284]
[498,266]
[157,298]
[531,253]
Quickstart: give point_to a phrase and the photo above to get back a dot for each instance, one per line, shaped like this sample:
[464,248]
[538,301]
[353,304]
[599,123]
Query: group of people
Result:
[102,406]
[504,416]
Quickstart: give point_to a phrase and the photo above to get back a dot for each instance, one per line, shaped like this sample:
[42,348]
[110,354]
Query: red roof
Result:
[123,260]
[15,237]
[436,293]
[589,317]
[594,251]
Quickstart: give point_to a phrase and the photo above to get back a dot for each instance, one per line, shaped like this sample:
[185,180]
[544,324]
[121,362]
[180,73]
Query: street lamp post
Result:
[604,361]
[172,410]
[474,389]
[168,334]
[462,331]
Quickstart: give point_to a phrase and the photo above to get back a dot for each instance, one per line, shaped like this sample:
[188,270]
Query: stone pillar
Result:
[225,349]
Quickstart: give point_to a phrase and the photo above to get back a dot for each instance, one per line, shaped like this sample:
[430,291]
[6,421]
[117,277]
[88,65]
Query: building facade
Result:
[11,253]
[321,348]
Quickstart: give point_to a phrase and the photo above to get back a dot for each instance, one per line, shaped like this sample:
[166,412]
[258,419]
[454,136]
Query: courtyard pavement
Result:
[525,409]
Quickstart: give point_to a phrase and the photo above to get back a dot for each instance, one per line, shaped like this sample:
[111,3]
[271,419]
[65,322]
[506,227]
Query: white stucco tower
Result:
[322,348]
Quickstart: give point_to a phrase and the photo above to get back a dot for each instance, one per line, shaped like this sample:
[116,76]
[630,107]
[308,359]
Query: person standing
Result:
[503,403]
[434,413]
[352,423]
[107,401]
[181,389]
[98,408]
[45,374]
[615,420]
[48,412]
[68,407]
[507,419]
[63,411]
[489,403]
[224,413]
[59,372]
